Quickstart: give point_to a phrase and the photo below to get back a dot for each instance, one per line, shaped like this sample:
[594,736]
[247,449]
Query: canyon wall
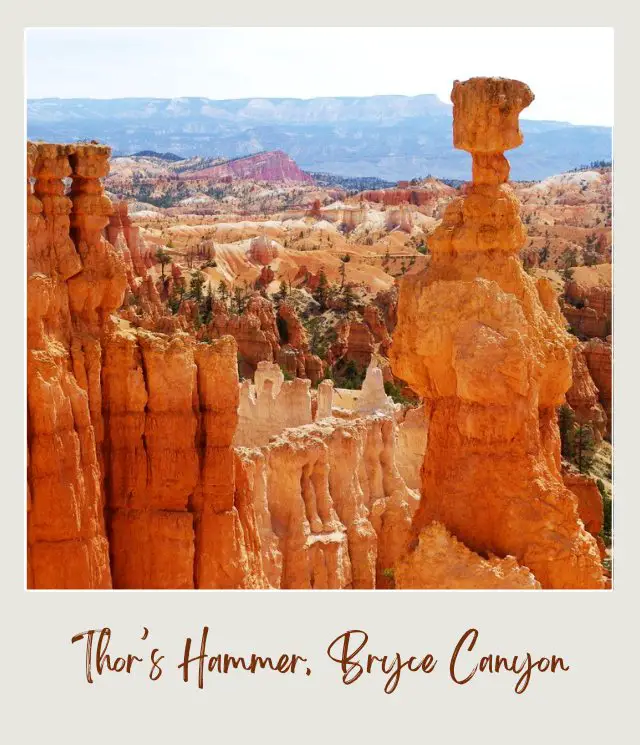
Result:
[130,462]
[486,347]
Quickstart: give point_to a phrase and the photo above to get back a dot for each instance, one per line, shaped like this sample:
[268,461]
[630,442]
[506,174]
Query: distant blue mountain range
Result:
[388,137]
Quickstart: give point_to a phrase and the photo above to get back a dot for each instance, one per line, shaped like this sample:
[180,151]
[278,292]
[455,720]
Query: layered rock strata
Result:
[130,461]
[67,543]
[486,346]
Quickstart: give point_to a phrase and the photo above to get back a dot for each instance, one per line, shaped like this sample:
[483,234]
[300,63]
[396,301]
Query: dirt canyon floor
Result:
[240,378]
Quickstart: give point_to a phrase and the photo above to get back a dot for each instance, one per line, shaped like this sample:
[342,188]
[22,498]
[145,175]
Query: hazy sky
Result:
[570,70]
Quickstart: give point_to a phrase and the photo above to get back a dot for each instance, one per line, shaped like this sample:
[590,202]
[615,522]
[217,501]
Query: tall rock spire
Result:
[486,346]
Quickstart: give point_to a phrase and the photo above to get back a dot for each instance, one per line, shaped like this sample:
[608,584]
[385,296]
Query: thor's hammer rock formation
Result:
[486,346]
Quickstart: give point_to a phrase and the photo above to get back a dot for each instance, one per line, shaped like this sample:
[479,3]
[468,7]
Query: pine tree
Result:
[163,258]
[322,290]
[343,267]
[197,283]
[348,297]
[584,446]
[206,306]
[282,293]
[223,291]
[239,300]
[566,421]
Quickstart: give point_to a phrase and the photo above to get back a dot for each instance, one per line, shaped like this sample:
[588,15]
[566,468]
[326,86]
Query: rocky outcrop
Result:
[262,250]
[597,353]
[387,303]
[170,414]
[295,355]
[254,330]
[428,196]
[271,406]
[334,513]
[373,318]
[582,397]
[293,332]
[590,506]
[120,226]
[372,395]
[440,562]
[354,342]
[588,300]
[398,218]
[266,277]
[486,346]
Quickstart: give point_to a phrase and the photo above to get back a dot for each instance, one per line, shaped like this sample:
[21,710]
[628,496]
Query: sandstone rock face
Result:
[170,413]
[583,395]
[296,334]
[413,429]
[265,410]
[597,353]
[387,303]
[486,347]
[130,460]
[588,300]
[333,511]
[590,506]
[373,318]
[120,225]
[66,536]
[354,342]
[255,332]
[399,218]
[324,399]
[440,562]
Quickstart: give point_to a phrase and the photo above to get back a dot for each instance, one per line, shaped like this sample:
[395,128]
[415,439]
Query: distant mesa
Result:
[172,157]
[264,166]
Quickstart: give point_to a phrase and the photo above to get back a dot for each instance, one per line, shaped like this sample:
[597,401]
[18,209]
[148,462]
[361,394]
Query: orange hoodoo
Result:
[486,346]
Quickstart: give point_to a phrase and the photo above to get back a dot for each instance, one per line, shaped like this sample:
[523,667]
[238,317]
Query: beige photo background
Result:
[44,689]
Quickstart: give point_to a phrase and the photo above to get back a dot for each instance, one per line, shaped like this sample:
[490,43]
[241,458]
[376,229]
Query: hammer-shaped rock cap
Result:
[485,114]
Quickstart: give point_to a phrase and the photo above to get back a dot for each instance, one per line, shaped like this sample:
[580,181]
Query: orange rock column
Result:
[67,545]
[486,346]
